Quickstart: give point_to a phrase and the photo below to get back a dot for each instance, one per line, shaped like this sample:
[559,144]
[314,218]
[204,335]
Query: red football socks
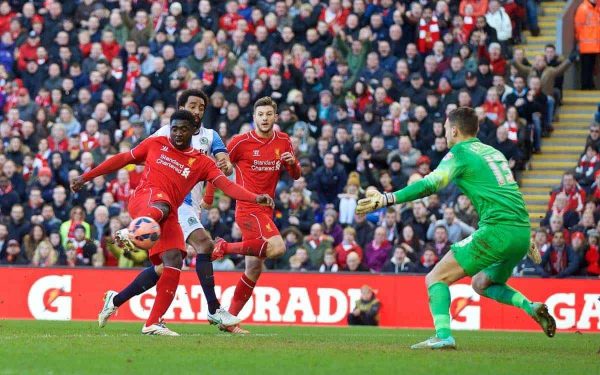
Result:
[165,292]
[243,292]
[256,247]
[154,213]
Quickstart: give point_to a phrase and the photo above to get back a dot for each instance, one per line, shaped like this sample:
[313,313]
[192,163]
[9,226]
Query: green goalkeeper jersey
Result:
[482,174]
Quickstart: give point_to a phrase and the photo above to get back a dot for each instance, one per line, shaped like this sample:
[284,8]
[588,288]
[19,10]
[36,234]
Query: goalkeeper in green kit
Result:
[502,240]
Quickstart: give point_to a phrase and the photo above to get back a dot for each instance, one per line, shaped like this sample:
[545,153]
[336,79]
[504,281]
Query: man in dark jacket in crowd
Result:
[366,312]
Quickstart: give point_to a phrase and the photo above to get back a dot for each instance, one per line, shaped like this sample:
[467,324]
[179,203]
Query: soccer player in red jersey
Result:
[258,157]
[172,169]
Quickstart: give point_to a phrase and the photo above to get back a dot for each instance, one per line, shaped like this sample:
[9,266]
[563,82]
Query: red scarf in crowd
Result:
[131,80]
[429,33]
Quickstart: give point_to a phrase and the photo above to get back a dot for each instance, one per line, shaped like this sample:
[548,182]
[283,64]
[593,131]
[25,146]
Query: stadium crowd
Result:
[362,86]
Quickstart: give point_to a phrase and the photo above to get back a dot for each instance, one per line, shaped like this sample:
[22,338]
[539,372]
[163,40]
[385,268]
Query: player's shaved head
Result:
[183,115]
[465,119]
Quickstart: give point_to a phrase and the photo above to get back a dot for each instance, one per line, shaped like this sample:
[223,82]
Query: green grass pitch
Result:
[35,347]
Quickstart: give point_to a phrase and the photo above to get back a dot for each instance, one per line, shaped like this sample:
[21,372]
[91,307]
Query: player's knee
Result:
[479,283]
[163,207]
[275,247]
[158,269]
[253,270]
[172,258]
[431,278]
[201,242]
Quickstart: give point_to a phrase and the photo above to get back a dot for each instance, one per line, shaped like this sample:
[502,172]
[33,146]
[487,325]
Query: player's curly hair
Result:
[465,119]
[183,97]
[266,101]
[182,114]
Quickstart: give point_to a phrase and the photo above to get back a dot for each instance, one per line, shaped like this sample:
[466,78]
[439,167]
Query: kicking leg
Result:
[165,292]
[112,300]
[156,210]
[446,272]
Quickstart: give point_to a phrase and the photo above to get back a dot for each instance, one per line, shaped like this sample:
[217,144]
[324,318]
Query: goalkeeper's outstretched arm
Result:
[433,182]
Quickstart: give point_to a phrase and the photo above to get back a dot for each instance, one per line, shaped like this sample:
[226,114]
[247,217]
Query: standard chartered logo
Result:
[174,165]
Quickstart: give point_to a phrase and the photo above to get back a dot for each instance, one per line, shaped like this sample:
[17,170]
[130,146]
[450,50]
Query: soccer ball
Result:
[144,232]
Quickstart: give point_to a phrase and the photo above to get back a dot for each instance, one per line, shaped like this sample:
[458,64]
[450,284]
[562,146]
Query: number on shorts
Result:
[500,168]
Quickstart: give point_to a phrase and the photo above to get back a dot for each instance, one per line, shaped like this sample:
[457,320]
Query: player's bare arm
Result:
[108,166]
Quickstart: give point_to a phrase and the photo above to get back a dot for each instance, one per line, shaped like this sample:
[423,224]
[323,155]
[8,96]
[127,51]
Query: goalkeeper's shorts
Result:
[495,250]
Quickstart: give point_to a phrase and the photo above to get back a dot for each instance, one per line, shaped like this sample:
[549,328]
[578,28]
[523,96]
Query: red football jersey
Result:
[258,164]
[172,171]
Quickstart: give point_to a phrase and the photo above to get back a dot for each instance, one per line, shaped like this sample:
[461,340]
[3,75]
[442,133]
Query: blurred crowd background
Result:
[363,88]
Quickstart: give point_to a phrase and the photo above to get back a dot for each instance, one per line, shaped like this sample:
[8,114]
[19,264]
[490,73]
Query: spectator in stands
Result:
[456,228]
[593,138]
[400,262]
[587,166]
[316,243]
[18,225]
[300,261]
[575,194]
[45,255]
[580,247]
[366,311]
[354,263]
[332,228]
[507,148]
[378,251]
[559,260]
[293,239]
[465,211]
[67,229]
[36,235]
[8,197]
[587,36]
[215,226]
[595,188]
[440,244]
[347,246]
[364,230]
[560,209]
[329,264]
[427,260]
[590,264]
[329,181]
[586,223]
[408,155]
[547,75]
[13,254]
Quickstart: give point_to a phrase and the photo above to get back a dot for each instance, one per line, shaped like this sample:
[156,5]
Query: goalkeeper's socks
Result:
[165,292]
[256,247]
[508,296]
[144,281]
[439,304]
[243,292]
[204,270]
